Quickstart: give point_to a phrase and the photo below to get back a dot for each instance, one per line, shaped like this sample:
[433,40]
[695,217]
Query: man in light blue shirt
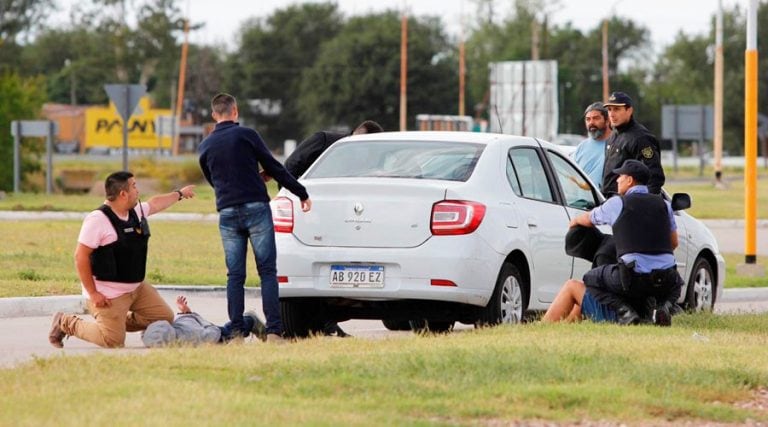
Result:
[590,153]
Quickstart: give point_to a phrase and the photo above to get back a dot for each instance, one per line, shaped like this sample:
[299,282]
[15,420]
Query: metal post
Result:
[750,136]
[674,136]
[702,136]
[16,155]
[49,157]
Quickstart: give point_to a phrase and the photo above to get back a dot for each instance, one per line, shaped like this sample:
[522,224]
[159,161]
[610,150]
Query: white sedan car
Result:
[424,229]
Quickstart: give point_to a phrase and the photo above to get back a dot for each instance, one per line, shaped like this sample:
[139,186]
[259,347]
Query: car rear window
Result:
[452,161]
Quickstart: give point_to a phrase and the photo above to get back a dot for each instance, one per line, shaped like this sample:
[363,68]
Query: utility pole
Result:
[180,93]
[606,89]
[718,134]
[462,65]
[606,85]
[403,71]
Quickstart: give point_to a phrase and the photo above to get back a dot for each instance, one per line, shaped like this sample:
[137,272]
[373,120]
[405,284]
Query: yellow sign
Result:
[104,127]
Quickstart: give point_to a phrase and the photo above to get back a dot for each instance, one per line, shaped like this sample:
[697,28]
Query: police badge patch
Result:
[647,152]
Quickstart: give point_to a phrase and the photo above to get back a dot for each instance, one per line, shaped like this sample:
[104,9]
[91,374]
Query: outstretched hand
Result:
[188,192]
[181,304]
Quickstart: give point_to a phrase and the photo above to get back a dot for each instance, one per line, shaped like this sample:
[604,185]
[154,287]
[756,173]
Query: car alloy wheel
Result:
[701,287]
[508,302]
[511,301]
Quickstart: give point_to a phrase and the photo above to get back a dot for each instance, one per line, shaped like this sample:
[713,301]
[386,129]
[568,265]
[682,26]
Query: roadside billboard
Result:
[103,127]
[523,98]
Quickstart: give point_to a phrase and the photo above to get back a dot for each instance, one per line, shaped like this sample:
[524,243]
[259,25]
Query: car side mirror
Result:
[680,201]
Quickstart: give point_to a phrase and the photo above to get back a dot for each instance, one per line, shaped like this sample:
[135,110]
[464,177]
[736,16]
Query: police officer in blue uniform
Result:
[645,234]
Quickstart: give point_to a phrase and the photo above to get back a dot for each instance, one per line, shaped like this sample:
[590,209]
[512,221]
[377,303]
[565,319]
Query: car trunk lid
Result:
[368,212]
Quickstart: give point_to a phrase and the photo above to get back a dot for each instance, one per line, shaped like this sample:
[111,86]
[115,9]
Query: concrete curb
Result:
[40,306]
[46,306]
[732,223]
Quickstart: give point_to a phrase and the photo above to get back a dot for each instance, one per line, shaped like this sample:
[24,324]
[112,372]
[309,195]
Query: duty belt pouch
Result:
[663,278]
[626,274]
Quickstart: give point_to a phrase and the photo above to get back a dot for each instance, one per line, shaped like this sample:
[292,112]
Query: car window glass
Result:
[452,161]
[578,192]
[532,181]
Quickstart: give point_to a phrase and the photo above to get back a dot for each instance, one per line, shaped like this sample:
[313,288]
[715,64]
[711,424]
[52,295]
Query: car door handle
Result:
[532,222]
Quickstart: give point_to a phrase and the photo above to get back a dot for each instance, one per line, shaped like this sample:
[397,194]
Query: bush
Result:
[21,99]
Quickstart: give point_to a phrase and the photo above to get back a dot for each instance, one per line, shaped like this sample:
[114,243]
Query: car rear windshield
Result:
[452,161]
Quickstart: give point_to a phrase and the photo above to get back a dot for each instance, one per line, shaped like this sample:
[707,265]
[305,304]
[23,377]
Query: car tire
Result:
[424,326]
[700,293]
[299,319]
[509,300]
[397,325]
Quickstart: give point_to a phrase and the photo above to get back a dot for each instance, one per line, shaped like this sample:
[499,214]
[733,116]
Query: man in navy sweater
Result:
[230,157]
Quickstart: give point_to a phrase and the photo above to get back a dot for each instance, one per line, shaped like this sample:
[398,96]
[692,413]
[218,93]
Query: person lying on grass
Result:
[190,328]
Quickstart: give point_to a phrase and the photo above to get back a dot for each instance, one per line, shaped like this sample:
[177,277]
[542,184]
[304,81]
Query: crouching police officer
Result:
[645,235]
[111,259]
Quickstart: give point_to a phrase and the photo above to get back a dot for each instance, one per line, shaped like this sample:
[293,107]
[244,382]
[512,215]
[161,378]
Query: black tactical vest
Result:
[643,226]
[124,260]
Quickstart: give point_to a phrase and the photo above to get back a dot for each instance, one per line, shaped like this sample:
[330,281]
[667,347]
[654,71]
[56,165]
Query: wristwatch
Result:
[181,195]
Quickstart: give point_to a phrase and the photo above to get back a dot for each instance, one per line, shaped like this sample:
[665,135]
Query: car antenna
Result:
[498,117]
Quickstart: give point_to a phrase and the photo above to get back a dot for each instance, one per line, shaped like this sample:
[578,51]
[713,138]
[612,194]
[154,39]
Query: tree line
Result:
[322,69]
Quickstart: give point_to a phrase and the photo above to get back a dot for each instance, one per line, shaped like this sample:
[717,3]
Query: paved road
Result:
[730,235]
[24,338]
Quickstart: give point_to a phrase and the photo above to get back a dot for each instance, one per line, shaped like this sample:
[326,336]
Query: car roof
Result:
[449,136]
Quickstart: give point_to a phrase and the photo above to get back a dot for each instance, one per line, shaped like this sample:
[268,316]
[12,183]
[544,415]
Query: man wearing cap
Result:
[645,233]
[630,140]
[590,153]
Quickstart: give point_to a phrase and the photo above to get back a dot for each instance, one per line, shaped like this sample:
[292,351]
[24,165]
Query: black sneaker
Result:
[259,328]
[661,316]
[332,329]
[627,315]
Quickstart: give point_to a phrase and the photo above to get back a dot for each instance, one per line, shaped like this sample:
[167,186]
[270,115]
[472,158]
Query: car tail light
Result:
[282,214]
[282,279]
[452,217]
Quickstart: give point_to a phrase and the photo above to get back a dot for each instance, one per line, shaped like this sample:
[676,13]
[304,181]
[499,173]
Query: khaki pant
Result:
[131,312]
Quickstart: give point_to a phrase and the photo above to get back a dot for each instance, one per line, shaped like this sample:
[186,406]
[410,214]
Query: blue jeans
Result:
[237,225]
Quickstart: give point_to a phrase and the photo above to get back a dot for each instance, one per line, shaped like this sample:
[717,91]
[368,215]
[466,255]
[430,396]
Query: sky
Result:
[664,18]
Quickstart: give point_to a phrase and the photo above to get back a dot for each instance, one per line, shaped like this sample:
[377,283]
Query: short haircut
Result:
[597,106]
[223,103]
[370,127]
[115,183]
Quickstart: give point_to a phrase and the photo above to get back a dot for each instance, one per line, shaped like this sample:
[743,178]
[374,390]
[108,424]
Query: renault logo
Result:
[358,208]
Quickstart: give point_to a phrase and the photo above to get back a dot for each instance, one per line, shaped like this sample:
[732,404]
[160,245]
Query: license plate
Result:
[357,276]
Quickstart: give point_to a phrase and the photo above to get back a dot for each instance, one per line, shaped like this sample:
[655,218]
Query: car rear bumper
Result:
[466,261]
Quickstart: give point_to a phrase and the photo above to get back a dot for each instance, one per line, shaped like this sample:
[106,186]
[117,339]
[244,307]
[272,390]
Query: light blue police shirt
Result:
[608,213]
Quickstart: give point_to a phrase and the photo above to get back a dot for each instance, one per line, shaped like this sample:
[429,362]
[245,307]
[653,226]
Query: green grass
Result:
[732,280]
[203,202]
[709,202]
[37,257]
[556,373]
